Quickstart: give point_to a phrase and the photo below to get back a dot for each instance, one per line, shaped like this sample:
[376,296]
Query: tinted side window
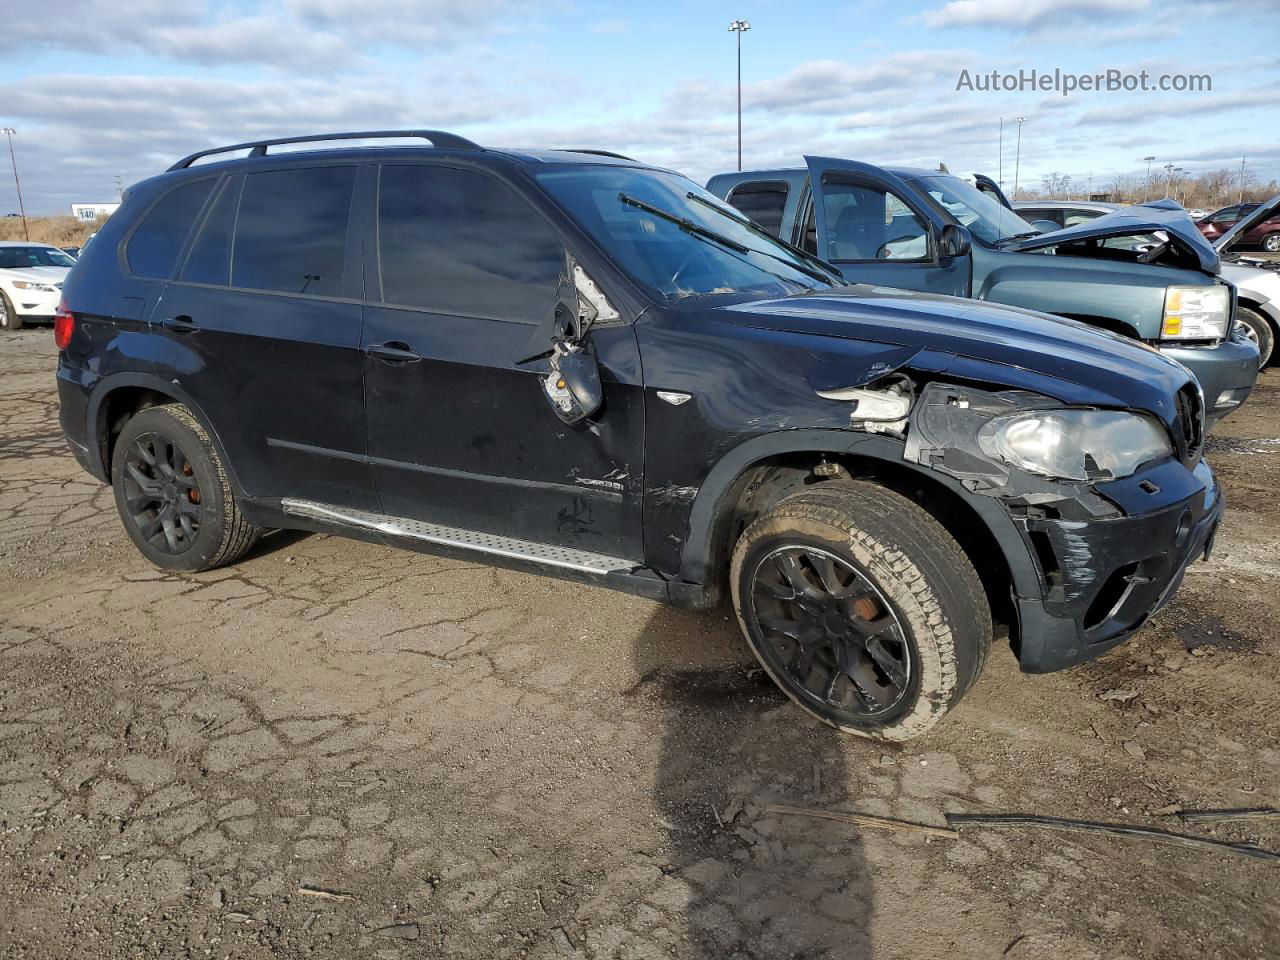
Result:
[869,223]
[291,234]
[456,242]
[762,201]
[210,258]
[155,245]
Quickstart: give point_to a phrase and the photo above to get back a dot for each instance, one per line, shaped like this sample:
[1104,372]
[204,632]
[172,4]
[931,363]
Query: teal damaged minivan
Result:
[930,230]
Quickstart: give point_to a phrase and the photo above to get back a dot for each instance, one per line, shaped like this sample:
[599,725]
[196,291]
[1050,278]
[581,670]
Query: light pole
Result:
[1017,159]
[1146,187]
[9,132]
[1168,180]
[1000,163]
[1241,198]
[739,27]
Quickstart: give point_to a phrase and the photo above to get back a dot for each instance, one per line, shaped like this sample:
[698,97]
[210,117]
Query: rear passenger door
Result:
[262,325]
[460,433]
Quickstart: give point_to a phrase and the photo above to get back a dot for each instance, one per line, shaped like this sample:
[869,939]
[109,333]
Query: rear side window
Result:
[291,234]
[154,247]
[456,242]
[763,202]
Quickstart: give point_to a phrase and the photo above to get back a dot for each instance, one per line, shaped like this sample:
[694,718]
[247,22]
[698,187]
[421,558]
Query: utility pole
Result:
[1241,198]
[1000,162]
[1146,186]
[120,187]
[9,132]
[739,27]
[1017,160]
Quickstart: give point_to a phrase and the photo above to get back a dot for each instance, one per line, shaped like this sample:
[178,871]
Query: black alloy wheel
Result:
[162,494]
[831,632]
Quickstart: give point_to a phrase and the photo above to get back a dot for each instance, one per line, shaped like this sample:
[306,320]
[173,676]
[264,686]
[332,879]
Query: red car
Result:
[1265,234]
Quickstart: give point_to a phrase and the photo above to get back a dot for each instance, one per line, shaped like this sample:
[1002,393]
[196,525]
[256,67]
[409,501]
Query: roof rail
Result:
[598,153]
[258,148]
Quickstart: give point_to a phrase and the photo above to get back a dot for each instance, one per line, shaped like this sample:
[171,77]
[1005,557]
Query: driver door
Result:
[872,225]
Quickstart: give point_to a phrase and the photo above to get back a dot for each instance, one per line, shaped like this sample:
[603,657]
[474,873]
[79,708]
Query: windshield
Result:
[15,258]
[708,253]
[986,218]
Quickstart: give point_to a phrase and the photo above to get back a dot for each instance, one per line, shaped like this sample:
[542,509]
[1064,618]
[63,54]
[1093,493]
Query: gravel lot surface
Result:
[336,749]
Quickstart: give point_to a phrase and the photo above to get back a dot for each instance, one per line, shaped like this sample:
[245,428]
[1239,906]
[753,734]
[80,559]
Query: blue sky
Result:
[105,88]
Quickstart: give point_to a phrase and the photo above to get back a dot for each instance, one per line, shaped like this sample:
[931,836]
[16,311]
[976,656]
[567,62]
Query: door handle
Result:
[180,324]
[394,351]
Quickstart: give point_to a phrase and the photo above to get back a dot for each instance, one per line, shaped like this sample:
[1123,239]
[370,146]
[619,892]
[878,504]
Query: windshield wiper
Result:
[830,268]
[685,224]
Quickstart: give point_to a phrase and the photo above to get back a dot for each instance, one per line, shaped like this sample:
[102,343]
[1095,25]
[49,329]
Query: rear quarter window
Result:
[154,246]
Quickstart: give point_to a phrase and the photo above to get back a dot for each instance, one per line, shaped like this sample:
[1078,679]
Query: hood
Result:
[36,274]
[1160,215]
[1245,224]
[1083,364]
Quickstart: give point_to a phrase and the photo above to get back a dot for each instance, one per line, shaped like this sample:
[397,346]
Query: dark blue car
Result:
[584,366]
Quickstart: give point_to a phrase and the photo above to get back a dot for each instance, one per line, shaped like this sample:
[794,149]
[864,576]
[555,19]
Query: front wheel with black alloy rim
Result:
[1256,327]
[9,319]
[173,494]
[862,608]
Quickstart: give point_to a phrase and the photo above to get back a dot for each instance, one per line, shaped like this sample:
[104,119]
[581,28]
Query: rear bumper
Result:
[1226,373]
[1105,578]
[73,415]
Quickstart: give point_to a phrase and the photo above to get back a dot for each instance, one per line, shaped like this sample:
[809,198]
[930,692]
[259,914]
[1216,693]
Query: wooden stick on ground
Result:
[310,891]
[1115,829]
[863,820]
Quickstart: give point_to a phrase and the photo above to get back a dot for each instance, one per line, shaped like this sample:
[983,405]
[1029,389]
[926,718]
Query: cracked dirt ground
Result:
[498,765]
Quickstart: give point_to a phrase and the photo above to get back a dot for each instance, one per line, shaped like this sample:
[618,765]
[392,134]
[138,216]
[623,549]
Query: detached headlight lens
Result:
[28,285]
[1196,313]
[1075,444]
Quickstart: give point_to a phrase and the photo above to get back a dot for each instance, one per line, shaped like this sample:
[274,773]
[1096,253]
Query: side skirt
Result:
[566,563]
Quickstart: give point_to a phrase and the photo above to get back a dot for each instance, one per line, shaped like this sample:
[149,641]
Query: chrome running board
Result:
[550,554]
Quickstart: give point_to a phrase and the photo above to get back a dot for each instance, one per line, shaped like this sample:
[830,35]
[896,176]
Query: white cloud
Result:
[1018,15]
[611,27]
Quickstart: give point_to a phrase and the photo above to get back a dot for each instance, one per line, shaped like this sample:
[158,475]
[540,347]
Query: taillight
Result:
[64,325]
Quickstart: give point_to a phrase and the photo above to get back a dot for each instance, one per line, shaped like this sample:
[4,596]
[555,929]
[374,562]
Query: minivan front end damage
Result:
[1108,550]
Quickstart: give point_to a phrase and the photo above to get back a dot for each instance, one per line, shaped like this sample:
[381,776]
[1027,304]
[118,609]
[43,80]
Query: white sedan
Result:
[31,276]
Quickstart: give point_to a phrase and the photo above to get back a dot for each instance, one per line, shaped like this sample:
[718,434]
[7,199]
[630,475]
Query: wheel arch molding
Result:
[100,404]
[718,497]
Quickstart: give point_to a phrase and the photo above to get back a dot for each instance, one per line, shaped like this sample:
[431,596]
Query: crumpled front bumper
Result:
[1104,578]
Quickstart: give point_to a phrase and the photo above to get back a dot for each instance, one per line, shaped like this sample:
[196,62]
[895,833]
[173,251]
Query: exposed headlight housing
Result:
[1075,444]
[1196,313]
[29,285]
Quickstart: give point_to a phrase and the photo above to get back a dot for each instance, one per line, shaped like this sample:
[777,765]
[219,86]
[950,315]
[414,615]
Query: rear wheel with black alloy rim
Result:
[173,494]
[9,319]
[862,608]
[1256,327]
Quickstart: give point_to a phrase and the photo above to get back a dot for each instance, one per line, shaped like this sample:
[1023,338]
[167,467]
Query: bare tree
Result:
[1056,183]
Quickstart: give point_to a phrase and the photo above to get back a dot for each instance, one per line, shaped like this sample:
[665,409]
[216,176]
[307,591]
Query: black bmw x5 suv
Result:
[585,366]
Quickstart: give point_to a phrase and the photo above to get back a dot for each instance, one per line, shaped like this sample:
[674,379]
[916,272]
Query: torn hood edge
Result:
[1166,216]
[1264,212]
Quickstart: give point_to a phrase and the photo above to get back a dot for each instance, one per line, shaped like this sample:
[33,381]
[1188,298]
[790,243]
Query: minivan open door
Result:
[877,230]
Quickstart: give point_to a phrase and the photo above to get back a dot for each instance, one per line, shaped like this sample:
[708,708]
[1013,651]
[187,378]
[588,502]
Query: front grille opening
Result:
[1110,597]
[1048,559]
